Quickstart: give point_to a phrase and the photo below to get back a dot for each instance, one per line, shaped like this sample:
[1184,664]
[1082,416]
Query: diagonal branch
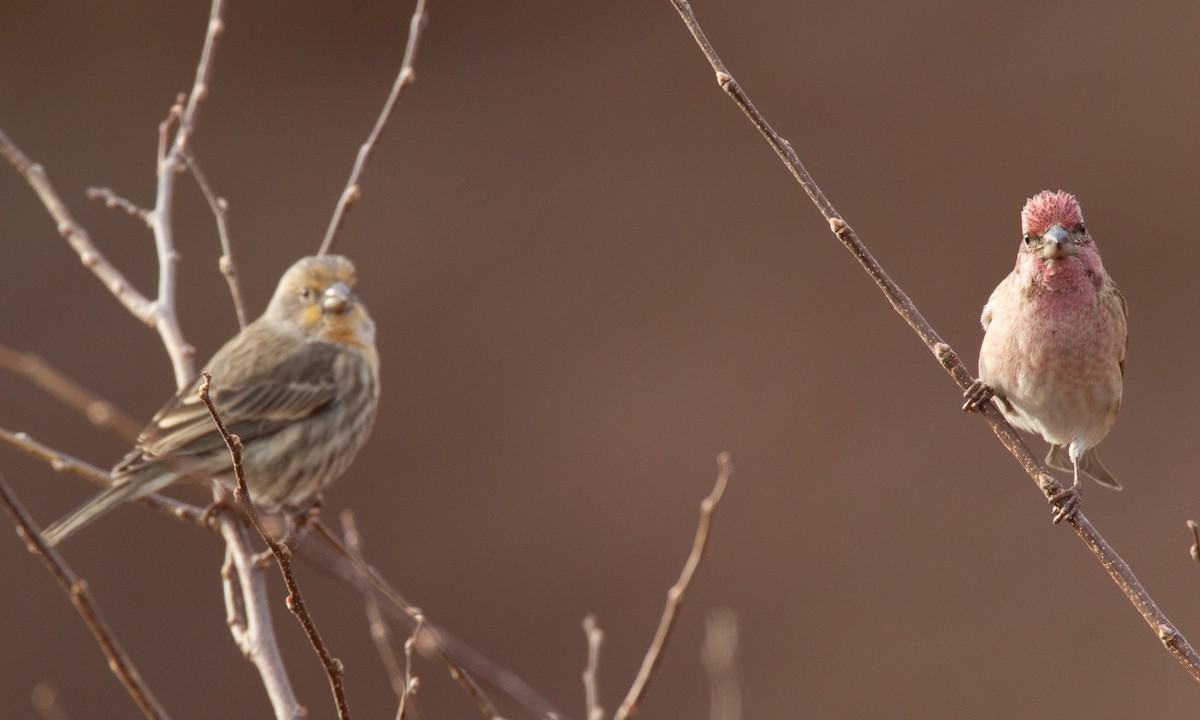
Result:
[1118,569]
[77,590]
[283,556]
[403,80]
[76,236]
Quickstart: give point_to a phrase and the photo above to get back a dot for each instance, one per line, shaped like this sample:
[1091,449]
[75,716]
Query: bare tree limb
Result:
[249,616]
[182,119]
[77,590]
[283,557]
[1118,569]
[403,80]
[676,594]
[61,462]
[220,209]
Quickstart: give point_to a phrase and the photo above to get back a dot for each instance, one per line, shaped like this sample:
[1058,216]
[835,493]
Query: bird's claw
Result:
[976,395]
[1066,503]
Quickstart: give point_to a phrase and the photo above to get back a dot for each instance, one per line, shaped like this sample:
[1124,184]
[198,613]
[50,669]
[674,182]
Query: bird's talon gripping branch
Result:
[977,395]
[1066,502]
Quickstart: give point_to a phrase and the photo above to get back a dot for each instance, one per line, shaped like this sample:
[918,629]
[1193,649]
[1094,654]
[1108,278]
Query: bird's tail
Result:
[128,488]
[1090,465]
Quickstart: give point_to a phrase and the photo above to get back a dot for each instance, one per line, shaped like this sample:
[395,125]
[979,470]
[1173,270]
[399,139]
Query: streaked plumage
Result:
[299,386]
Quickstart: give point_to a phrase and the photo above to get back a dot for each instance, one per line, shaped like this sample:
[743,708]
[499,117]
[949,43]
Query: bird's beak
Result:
[1057,243]
[336,298]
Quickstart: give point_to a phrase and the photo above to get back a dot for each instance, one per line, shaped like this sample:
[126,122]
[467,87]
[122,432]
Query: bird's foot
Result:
[976,395]
[1066,502]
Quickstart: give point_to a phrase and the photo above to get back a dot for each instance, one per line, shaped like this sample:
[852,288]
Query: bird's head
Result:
[1052,227]
[317,296]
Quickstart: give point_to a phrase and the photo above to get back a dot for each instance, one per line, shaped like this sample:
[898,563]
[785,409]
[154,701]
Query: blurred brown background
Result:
[590,275]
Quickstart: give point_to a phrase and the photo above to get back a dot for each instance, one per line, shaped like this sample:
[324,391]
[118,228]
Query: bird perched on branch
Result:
[1054,343]
[299,386]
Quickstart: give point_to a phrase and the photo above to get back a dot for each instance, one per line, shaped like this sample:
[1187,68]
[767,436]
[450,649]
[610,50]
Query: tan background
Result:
[590,275]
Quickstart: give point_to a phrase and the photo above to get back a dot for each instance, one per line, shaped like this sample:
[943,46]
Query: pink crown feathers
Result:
[1050,208]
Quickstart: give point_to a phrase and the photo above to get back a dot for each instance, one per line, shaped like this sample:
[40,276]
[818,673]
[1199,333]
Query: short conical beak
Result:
[336,298]
[1057,243]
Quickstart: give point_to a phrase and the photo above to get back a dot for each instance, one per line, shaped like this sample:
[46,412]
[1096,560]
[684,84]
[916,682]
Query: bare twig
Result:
[1118,569]
[410,681]
[113,201]
[438,640]
[76,236]
[100,412]
[676,594]
[77,590]
[405,78]
[718,655]
[249,616]
[283,557]
[591,671]
[380,634]
[220,211]
[61,462]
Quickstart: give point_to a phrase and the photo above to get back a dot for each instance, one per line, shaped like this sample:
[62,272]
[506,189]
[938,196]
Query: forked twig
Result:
[676,593]
[1118,569]
[77,590]
[283,557]
[405,78]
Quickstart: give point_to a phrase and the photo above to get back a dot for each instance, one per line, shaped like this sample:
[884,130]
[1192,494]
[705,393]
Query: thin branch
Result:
[410,681]
[113,201]
[97,410]
[220,211]
[403,80]
[591,671]
[76,236]
[182,119]
[61,462]
[380,634]
[435,638]
[249,616]
[77,590]
[676,594]
[718,655]
[1118,569]
[283,556]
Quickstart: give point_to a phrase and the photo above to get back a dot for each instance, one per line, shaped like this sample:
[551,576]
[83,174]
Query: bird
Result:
[299,386]
[1054,343]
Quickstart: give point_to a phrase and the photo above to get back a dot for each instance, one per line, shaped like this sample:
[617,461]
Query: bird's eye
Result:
[1082,230]
[306,292]
[1028,239]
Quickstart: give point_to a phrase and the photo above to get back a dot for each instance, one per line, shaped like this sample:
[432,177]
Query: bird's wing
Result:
[1125,323]
[252,397]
